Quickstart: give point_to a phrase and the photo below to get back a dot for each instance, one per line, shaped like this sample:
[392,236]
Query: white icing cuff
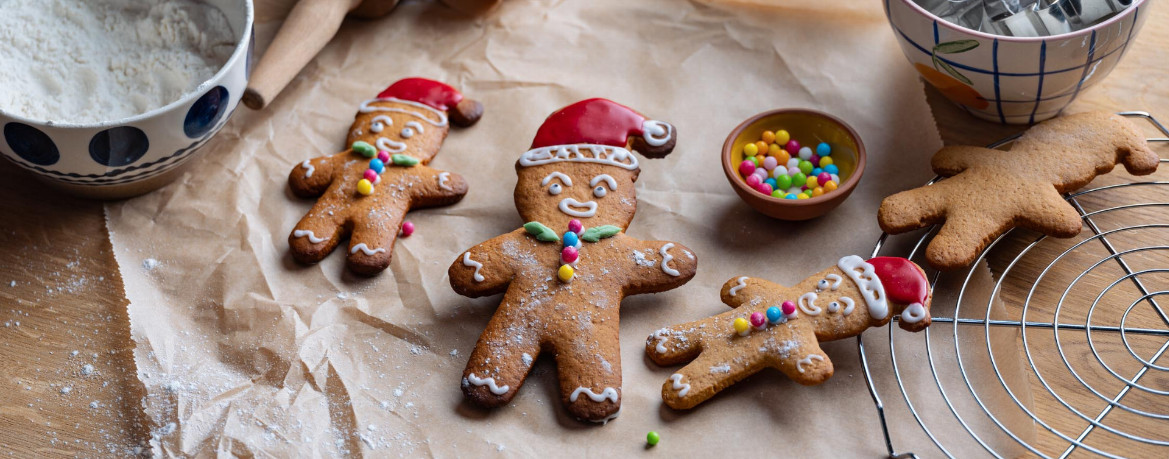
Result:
[581,153]
[656,133]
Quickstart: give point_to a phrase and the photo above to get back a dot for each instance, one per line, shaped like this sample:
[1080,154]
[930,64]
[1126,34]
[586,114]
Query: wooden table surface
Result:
[66,366]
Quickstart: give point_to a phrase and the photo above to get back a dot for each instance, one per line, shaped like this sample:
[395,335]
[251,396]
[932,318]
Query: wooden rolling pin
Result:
[309,26]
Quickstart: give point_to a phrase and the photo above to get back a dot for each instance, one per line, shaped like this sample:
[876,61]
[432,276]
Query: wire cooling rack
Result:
[1062,357]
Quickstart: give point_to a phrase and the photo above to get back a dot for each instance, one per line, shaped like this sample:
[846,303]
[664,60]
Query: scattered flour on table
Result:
[84,61]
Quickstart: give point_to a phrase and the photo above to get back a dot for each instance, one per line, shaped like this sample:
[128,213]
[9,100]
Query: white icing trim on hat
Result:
[367,108]
[656,133]
[580,153]
[865,277]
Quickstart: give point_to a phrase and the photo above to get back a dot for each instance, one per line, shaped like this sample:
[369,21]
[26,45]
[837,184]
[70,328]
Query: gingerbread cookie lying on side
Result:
[365,191]
[565,272]
[991,191]
[782,327]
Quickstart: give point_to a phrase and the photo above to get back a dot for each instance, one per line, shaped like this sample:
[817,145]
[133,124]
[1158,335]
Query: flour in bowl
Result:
[85,61]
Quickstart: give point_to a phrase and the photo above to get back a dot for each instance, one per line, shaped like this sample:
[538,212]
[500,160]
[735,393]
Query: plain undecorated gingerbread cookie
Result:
[991,191]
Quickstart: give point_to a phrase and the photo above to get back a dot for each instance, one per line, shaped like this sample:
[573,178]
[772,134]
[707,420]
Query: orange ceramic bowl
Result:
[810,127]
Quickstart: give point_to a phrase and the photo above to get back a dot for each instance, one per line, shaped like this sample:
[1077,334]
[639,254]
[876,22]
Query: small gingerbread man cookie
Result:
[781,327]
[365,191]
[991,191]
[565,272]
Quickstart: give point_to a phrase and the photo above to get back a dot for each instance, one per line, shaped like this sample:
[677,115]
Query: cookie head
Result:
[413,117]
[580,165]
[595,194]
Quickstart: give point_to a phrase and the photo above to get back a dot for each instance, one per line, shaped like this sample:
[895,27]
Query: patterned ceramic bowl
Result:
[131,156]
[1011,79]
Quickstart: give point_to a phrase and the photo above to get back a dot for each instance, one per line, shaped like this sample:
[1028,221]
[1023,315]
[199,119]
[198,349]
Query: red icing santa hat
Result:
[435,97]
[598,131]
[884,279]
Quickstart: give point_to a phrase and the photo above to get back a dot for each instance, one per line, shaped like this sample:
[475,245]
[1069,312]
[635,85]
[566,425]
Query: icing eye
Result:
[407,133]
[833,306]
[377,126]
[554,189]
[823,284]
[600,191]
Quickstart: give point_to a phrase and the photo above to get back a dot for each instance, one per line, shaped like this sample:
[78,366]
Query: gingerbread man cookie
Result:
[991,191]
[781,327]
[364,192]
[565,272]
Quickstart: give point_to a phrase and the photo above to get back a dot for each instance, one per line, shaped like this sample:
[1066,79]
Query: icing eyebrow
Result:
[606,178]
[563,178]
[384,119]
[416,125]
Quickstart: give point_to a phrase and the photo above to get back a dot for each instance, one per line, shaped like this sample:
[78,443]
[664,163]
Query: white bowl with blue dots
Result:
[131,156]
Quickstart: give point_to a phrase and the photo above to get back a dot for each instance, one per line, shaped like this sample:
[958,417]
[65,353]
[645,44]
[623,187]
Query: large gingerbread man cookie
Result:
[782,327]
[565,272]
[991,191]
[365,191]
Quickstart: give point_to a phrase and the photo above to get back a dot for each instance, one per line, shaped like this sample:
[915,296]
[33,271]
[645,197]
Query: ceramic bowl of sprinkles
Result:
[793,164]
[124,94]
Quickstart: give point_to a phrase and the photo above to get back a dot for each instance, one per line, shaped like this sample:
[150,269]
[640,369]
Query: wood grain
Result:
[67,297]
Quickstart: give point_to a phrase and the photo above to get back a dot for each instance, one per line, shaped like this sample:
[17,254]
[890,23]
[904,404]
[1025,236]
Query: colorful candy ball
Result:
[831,169]
[753,181]
[777,194]
[370,175]
[750,149]
[571,240]
[764,188]
[384,156]
[829,186]
[377,165]
[770,162]
[575,226]
[771,182]
[365,187]
[806,167]
[652,438]
[758,320]
[814,159]
[799,179]
[781,137]
[789,308]
[741,326]
[565,273]
[774,314]
[792,147]
[793,170]
[805,153]
[783,182]
[746,167]
[825,161]
[569,255]
[407,228]
[790,196]
[823,149]
[768,136]
[824,177]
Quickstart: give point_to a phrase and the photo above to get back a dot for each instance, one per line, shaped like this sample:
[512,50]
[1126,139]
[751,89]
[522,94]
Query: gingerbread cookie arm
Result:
[915,208]
[656,266]
[952,160]
[745,290]
[436,188]
[677,344]
[484,269]
[313,176]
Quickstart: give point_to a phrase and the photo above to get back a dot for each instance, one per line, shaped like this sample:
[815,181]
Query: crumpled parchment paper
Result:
[245,352]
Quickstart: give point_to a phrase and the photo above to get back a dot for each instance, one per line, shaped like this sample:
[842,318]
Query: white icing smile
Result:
[390,145]
[569,205]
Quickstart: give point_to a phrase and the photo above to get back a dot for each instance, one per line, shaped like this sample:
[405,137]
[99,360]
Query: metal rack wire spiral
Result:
[1137,398]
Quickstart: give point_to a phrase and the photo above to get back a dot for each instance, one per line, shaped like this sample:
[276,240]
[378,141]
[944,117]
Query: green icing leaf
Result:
[597,233]
[364,149]
[542,233]
[403,160]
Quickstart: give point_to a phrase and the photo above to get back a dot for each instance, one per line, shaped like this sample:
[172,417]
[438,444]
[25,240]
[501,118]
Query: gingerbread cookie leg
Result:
[708,375]
[806,364]
[373,237]
[317,233]
[590,375]
[500,363]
